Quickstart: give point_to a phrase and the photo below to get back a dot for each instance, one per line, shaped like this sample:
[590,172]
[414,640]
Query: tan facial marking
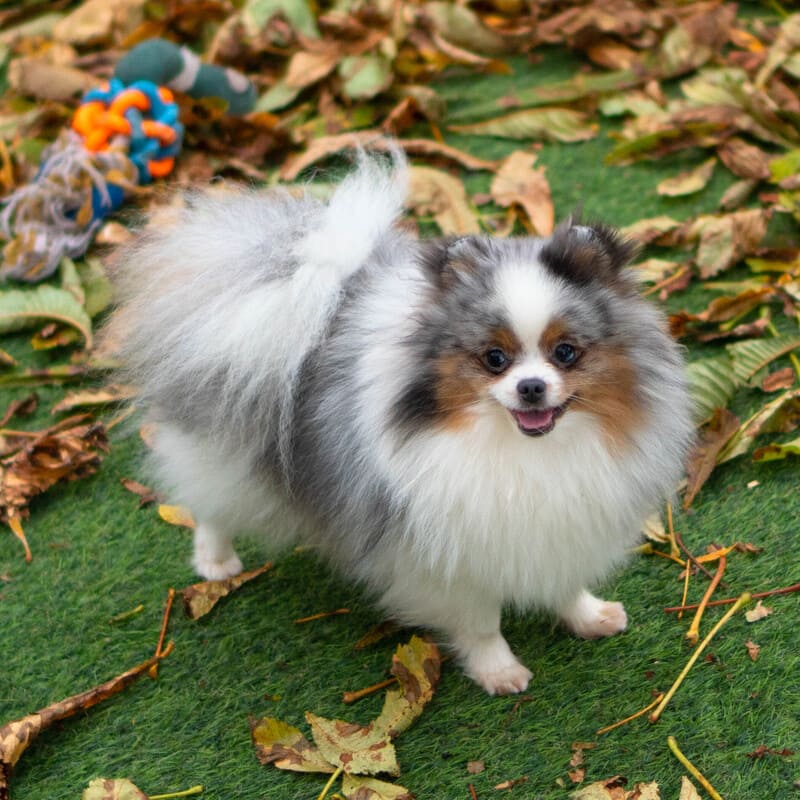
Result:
[603,383]
[461,380]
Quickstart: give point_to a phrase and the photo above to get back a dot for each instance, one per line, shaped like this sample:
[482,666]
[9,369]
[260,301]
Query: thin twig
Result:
[673,546]
[693,634]
[728,600]
[185,793]
[687,574]
[632,717]
[742,600]
[699,777]
[322,615]
[127,615]
[351,697]
[691,557]
[472,793]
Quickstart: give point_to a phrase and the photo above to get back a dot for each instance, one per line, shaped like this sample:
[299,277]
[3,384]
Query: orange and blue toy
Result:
[121,137]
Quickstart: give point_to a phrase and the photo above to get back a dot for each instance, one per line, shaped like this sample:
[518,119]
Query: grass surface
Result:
[97,555]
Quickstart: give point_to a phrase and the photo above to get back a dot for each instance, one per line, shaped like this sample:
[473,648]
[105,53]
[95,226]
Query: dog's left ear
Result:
[583,254]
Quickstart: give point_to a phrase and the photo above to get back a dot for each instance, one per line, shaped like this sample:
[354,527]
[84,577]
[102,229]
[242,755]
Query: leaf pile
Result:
[358,751]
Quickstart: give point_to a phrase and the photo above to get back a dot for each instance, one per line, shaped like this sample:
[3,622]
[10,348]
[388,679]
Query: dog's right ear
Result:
[449,258]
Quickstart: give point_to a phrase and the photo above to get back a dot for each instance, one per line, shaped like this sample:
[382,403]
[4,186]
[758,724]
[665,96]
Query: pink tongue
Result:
[531,420]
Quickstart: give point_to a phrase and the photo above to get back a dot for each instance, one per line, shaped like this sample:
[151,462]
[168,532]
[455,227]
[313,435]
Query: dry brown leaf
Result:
[475,767]
[753,649]
[200,598]
[744,160]
[441,195]
[510,784]
[374,140]
[688,792]
[145,494]
[67,451]
[689,182]
[757,613]
[703,458]
[96,22]
[17,735]
[285,746]
[778,380]
[307,68]
[38,78]
[20,408]
[113,393]
[518,182]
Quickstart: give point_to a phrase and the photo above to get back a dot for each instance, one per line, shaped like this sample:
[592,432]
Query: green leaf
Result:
[774,452]
[780,415]
[257,13]
[285,746]
[112,789]
[278,96]
[550,124]
[462,26]
[712,383]
[356,788]
[752,355]
[27,308]
[96,286]
[365,76]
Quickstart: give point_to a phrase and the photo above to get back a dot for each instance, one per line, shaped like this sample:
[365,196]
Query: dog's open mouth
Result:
[537,421]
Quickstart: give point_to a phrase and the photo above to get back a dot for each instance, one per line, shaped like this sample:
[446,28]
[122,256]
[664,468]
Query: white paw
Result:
[213,570]
[592,618]
[491,664]
[510,679]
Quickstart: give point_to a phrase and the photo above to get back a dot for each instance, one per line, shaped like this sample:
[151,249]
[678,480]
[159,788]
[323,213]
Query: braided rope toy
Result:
[123,135]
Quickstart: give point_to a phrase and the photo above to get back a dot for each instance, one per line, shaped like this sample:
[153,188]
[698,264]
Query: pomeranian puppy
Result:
[461,424]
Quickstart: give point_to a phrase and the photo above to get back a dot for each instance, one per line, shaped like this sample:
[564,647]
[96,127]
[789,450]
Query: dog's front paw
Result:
[213,570]
[492,665]
[591,618]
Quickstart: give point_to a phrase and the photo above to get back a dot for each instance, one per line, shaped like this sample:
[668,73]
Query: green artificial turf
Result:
[97,555]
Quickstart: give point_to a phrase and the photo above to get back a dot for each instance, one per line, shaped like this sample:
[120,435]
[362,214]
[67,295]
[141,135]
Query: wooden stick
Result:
[687,574]
[728,600]
[632,717]
[701,779]
[322,615]
[692,558]
[351,697]
[742,600]
[693,634]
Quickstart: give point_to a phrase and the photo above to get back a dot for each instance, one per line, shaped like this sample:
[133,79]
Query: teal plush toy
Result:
[166,64]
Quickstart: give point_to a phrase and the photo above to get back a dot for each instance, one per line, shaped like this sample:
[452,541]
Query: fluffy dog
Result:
[460,424]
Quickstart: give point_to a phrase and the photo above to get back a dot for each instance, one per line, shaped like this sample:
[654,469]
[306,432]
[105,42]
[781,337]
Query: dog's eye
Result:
[496,360]
[565,354]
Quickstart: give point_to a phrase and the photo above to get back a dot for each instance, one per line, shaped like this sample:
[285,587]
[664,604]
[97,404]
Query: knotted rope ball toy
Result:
[123,135]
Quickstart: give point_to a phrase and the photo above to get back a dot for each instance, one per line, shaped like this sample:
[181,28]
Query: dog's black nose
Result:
[531,389]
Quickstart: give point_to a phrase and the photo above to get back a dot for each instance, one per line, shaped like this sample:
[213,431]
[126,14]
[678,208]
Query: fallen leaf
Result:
[650,230]
[653,529]
[749,357]
[776,452]
[688,791]
[359,749]
[285,746]
[358,788]
[725,239]
[757,613]
[25,308]
[97,22]
[752,650]
[416,666]
[510,784]
[365,76]
[113,393]
[704,455]
[762,750]
[306,68]
[176,515]
[778,380]
[145,494]
[576,775]
[548,124]
[475,767]
[780,415]
[711,384]
[441,195]
[20,408]
[16,736]
[112,789]
[744,160]
[67,451]
[518,182]
[200,598]
[689,182]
